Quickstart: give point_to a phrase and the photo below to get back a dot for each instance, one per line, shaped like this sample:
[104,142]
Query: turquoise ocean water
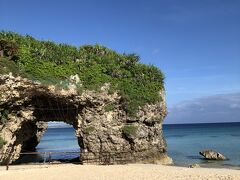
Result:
[184,142]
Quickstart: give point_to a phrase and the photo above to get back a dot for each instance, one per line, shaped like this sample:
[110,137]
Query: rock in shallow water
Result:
[212,155]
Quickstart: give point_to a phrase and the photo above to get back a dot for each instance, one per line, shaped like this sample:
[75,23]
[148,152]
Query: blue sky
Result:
[196,43]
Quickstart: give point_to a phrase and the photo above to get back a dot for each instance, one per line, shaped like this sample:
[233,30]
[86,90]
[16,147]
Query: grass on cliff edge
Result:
[50,63]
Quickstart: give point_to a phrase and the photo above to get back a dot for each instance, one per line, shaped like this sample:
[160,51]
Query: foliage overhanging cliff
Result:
[52,63]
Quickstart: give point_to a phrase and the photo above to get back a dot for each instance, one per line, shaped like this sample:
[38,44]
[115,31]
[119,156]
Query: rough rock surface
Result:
[212,155]
[194,166]
[26,107]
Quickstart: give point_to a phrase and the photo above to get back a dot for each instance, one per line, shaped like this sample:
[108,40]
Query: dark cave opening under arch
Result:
[47,108]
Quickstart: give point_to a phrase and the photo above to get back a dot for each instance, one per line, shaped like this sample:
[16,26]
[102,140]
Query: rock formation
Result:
[212,155]
[194,166]
[105,134]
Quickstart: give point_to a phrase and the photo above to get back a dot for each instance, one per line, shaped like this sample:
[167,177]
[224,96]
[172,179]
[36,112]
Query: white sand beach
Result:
[115,172]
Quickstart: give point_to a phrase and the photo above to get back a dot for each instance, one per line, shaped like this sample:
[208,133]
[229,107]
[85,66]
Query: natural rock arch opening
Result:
[59,143]
[105,135]
[48,108]
[56,143]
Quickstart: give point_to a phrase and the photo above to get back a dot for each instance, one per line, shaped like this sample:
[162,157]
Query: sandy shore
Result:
[114,172]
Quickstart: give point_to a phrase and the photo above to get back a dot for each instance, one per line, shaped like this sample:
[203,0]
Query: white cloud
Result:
[55,124]
[217,108]
[235,106]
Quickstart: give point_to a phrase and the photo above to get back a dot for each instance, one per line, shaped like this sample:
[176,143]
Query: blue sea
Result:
[184,143]
[186,140]
[59,140]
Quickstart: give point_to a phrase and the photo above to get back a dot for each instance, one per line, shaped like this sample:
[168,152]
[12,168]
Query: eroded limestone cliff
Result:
[104,130]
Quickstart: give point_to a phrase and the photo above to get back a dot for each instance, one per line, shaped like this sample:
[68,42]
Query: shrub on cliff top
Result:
[49,62]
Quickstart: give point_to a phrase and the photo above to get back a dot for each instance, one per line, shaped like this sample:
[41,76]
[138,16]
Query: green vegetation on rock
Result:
[109,107]
[52,63]
[129,130]
[2,142]
[89,129]
[4,116]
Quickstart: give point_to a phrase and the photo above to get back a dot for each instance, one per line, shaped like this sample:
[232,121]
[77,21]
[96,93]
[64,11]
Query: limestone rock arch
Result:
[103,134]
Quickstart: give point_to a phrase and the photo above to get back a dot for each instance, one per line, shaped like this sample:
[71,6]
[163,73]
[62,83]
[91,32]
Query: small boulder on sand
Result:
[194,166]
[212,155]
